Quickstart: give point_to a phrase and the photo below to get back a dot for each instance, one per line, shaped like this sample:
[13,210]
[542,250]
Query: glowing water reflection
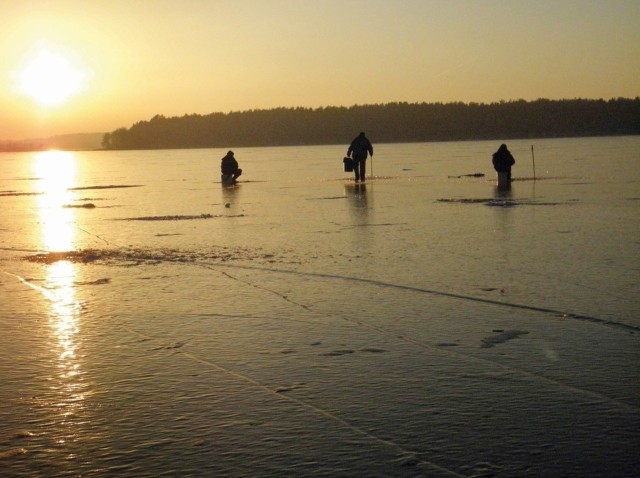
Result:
[64,322]
[56,173]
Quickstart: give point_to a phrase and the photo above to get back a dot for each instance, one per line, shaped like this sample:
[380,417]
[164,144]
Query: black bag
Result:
[348,164]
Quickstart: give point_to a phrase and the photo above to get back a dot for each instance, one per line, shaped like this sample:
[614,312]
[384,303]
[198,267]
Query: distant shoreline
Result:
[67,142]
[383,123]
[311,145]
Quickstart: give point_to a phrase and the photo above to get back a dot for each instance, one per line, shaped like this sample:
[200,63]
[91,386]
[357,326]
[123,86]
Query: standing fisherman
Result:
[358,150]
[502,161]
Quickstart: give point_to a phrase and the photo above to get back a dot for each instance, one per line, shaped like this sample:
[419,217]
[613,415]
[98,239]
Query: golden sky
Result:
[73,66]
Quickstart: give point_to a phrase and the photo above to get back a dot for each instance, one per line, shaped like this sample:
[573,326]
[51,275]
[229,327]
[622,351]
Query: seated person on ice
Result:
[230,169]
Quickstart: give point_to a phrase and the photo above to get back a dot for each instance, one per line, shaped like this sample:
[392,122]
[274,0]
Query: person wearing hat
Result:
[230,170]
[358,150]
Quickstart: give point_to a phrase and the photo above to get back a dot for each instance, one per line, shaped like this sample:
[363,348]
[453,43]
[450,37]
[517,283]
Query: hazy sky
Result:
[96,65]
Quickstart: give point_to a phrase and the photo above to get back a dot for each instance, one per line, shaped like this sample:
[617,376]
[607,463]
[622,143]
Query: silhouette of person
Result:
[230,170]
[358,150]
[502,162]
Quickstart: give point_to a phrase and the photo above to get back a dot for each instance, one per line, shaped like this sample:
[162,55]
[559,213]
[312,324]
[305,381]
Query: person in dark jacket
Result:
[230,170]
[503,160]
[358,150]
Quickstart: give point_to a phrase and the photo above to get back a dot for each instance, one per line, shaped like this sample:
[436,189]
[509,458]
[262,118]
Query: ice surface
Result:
[302,325]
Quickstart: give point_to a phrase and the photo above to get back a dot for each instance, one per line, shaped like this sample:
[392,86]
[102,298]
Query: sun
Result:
[50,78]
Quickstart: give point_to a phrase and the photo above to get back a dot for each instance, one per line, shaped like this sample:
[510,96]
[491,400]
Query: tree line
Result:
[384,123]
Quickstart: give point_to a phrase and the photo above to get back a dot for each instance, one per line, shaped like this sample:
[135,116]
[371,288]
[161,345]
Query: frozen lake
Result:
[424,324]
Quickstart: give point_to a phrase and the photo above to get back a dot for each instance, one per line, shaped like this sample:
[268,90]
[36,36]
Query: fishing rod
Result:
[533,160]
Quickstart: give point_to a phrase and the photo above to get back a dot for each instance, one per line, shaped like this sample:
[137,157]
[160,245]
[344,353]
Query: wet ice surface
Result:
[300,325]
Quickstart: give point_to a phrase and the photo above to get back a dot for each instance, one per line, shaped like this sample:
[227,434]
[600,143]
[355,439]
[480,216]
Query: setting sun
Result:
[50,78]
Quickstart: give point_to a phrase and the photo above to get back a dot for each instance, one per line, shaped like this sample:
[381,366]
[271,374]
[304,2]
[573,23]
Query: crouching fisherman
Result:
[230,170]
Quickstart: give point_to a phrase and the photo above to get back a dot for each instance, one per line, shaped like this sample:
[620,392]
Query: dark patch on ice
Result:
[136,257]
[169,218]
[351,180]
[545,178]
[465,200]
[288,388]
[324,198]
[337,353]
[83,206]
[472,175]
[496,202]
[501,337]
[178,217]
[111,186]
[102,281]
[86,256]
[14,193]
[242,182]
[380,224]
[175,345]
[501,203]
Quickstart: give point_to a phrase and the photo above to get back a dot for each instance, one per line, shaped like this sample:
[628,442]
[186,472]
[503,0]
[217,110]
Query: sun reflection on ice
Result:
[56,173]
[63,316]
[64,322]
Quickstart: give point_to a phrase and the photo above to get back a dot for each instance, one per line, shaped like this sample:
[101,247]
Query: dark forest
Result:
[384,123]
